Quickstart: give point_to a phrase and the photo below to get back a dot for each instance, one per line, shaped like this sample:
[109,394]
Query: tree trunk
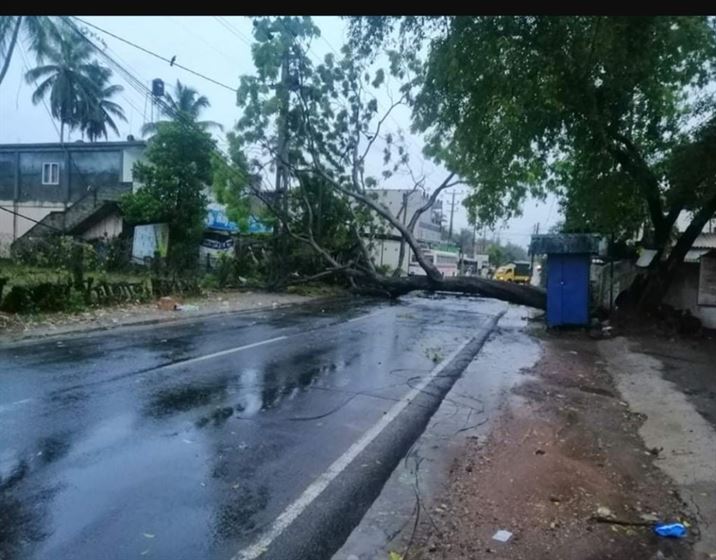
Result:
[659,279]
[505,291]
[10,48]
[401,258]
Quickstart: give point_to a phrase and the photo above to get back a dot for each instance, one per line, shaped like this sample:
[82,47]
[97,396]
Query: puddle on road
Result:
[184,397]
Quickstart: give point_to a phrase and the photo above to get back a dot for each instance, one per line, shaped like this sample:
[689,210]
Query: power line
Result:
[180,117]
[178,21]
[155,55]
[126,97]
[329,45]
[131,79]
[226,24]
[29,219]
[144,89]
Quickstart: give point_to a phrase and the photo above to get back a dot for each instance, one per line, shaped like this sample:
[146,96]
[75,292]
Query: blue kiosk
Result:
[569,258]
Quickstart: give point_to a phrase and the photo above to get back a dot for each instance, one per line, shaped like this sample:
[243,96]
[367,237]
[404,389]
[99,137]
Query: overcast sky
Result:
[218,47]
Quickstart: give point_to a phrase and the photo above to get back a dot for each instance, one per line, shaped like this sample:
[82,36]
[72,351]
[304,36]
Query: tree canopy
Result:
[608,112]
[178,168]
[520,104]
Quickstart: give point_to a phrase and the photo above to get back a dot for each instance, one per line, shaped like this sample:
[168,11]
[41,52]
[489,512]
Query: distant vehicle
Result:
[445,261]
[517,272]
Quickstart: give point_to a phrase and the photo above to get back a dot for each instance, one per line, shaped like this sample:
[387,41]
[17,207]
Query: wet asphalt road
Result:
[187,441]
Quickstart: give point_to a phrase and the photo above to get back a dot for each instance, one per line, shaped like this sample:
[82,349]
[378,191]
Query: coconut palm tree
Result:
[186,105]
[69,77]
[101,112]
[33,29]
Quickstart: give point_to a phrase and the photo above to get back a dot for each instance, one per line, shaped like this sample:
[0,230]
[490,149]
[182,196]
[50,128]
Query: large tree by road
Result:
[613,113]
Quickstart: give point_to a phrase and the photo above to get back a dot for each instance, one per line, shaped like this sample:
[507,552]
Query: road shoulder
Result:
[14,328]
[466,414]
[564,448]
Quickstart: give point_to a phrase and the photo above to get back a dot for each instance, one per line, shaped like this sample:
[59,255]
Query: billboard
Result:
[148,240]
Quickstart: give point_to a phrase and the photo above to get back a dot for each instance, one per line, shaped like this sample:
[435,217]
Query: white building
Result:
[403,203]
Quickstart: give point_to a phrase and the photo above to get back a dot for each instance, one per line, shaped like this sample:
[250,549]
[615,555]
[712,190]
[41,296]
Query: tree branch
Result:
[432,272]
[632,161]
[433,197]
[379,125]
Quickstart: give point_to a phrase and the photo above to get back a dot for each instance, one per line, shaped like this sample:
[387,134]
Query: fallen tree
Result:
[331,124]
[505,291]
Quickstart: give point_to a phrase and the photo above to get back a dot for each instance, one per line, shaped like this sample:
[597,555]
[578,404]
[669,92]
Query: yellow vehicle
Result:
[517,272]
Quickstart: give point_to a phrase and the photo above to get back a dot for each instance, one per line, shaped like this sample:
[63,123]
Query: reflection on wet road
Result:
[186,441]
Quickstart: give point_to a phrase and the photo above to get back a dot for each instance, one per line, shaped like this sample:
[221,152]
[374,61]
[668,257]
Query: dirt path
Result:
[565,448]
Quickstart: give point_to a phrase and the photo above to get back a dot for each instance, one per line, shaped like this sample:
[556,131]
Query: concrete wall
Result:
[385,252]
[112,225]
[683,294]
[129,157]
[624,273]
[12,226]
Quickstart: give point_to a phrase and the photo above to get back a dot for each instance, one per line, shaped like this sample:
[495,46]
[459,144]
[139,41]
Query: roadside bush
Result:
[55,252]
[226,271]
[209,282]
[44,296]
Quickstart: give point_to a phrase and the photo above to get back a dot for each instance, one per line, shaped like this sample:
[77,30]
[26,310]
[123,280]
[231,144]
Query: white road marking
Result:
[6,407]
[366,316]
[291,513]
[224,352]
[253,345]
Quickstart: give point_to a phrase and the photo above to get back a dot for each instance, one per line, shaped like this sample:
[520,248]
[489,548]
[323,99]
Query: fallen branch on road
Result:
[613,521]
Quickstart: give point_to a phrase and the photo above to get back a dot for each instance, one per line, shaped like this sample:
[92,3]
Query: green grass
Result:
[22,275]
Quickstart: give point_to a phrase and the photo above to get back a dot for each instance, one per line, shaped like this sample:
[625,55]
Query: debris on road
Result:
[502,536]
[604,512]
[167,303]
[672,530]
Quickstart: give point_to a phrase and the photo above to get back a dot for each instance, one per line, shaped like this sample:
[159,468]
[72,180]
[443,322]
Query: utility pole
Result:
[281,184]
[452,212]
[282,149]
[532,255]
[474,238]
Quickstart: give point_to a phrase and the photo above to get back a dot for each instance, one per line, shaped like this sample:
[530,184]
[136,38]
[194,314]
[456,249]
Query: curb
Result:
[94,330]
[321,528]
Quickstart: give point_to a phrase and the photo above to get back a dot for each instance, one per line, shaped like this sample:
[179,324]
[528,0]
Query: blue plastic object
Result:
[673,530]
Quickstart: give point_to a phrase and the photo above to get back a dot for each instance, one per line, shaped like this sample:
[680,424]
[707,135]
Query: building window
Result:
[51,173]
